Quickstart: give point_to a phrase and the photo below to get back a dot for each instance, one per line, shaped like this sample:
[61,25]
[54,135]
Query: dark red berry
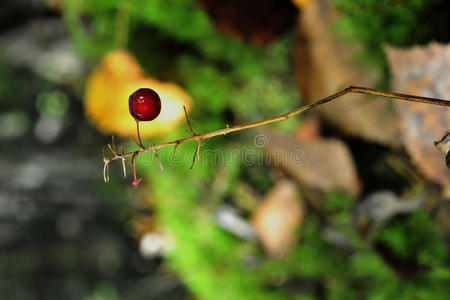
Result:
[144,105]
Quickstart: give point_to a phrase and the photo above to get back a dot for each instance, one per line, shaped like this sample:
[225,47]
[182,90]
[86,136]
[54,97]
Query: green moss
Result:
[210,261]
[377,23]
[230,81]
[425,245]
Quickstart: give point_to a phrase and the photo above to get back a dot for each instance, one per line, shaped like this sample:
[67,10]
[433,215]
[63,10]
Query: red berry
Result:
[144,105]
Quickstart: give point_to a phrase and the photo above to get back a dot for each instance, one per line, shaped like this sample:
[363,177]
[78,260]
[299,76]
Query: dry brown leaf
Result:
[323,164]
[278,218]
[444,143]
[423,71]
[325,65]
[256,21]
[110,85]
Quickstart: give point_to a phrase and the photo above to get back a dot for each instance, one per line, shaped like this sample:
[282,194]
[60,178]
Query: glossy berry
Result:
[144,105]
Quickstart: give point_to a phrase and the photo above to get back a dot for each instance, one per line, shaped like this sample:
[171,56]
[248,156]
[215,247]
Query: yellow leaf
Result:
[108,90]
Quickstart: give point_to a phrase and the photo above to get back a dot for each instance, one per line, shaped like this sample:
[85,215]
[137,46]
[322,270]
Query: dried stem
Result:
[140,145]
[173,154]
[139,136]
[189,123]
[106,170]
[124,168]
[159,161]
[133,161]
[197,149]
[199,137]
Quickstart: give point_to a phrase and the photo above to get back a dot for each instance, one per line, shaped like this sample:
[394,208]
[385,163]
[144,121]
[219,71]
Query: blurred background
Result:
[349,201]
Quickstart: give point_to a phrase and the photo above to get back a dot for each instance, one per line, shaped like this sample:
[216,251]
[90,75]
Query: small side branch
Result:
[140,145]
[159,161]
[124,168]
[189,123]
[136,181]
[106,170]
[173,154]
[196,154]
[193,134]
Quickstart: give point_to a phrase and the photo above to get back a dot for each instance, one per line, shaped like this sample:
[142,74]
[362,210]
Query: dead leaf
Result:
[278,218]
[423,71]
[323,164]
[444,143]
[325,65]
[113,81]
[255,21]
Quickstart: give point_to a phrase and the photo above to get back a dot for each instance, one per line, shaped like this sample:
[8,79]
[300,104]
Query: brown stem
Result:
[159,161]
[139,135]
[189,123]
[196,154]
[351,89]
[133,161]
[173,154]
[134,164]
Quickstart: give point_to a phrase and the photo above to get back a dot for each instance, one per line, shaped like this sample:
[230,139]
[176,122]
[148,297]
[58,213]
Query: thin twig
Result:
[197,149]
[173,154]
[106,170]
[134,140]
[189,123]
[133,161]
[139,136]
[159,161]
[196,154]
[124,168]
[113,147]
[351,89]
